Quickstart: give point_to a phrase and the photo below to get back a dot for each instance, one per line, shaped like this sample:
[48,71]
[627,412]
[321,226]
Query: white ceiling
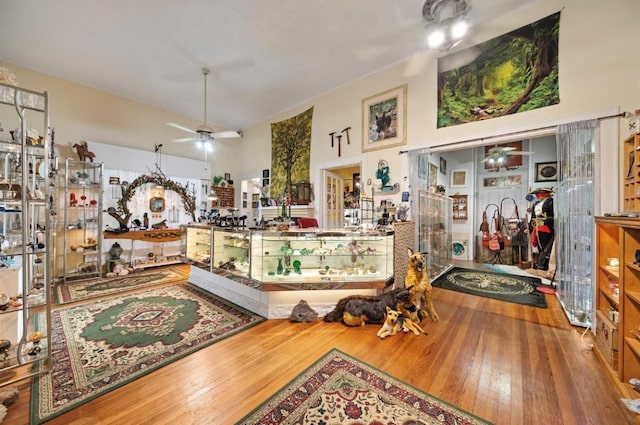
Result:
[265,56]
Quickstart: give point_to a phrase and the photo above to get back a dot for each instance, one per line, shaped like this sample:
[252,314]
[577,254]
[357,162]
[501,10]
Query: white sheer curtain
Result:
[574,205]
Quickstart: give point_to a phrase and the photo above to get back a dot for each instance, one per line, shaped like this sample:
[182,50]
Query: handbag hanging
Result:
[496,241]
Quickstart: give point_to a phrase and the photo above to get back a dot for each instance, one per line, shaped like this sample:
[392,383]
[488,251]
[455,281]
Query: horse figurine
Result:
[82,149]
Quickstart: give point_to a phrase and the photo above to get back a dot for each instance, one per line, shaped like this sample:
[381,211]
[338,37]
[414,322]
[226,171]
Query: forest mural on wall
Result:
[515,72]
[290,153]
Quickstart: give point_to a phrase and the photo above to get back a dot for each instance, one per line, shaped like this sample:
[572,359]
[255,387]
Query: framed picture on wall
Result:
[265,174]
[546,171]
[443,166]
[458,178]
[265,182]
[384,120]
[433,174]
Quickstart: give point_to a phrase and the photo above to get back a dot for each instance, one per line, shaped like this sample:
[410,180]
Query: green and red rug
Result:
[87,289]
[102,345]
[339,389]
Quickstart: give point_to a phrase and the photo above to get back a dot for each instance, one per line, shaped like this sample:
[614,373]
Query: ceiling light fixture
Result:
[446,22]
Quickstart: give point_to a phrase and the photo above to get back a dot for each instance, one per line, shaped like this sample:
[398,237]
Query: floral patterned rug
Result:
[102,345]
[500,286]
[339,389]
[87,289]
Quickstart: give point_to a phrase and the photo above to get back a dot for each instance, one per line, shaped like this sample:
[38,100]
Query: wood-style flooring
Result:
[504,362]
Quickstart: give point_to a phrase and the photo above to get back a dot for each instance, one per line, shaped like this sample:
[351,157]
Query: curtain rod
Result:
[515,133]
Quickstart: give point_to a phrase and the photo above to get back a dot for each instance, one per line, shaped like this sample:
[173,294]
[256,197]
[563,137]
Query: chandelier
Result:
[446,22]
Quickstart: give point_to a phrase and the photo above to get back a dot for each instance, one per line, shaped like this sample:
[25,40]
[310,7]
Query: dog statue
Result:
[395,322]
[357,310]
[418,280]
[390,326]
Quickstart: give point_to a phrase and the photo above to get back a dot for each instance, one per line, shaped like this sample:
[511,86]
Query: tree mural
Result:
[290,152]
[512,73]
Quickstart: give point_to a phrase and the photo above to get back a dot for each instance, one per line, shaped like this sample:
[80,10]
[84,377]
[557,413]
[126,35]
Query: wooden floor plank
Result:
[505,362]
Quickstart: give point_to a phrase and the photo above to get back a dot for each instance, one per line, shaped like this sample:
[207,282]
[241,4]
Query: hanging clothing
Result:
[541,228]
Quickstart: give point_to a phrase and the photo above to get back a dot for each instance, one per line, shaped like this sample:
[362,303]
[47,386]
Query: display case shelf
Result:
[294,259]
[27,163]
[617,344]
[79,245]
[434,231]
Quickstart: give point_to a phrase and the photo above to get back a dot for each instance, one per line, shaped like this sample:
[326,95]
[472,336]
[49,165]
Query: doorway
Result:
[341,196]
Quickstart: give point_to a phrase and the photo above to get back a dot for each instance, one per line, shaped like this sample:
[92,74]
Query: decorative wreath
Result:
[128,191]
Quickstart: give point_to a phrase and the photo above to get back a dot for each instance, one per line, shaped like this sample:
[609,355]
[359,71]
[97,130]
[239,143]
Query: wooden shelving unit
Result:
[459,207]
[226,197]
[631,176]
[618,295]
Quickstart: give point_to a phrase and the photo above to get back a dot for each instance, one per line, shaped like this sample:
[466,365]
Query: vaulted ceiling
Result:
[265,56]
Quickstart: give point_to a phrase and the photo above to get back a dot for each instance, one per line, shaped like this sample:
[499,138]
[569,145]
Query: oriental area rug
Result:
[93,288]
[499,286]
[102,345]
[339,389]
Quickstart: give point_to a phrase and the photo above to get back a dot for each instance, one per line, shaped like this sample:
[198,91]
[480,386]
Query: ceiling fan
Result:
[203,133]
[499,155]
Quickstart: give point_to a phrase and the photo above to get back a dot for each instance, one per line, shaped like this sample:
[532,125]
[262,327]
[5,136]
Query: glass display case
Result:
[27,162]
[434,230]
[197,245]
[293,260]
[79,228]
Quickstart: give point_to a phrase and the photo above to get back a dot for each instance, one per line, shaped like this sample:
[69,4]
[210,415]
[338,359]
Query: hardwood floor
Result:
[504,362]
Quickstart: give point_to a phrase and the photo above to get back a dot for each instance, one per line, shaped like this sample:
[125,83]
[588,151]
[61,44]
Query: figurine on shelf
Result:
[145,219]
[72,200]
[82,149]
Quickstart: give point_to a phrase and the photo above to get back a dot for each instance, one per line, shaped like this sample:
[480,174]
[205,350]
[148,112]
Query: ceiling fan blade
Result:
[185,139]
[181,127]
[225,135]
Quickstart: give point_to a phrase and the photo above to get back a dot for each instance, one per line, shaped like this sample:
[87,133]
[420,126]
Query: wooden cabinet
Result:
[618,298]
[459,207]
[225,197]
[631,170]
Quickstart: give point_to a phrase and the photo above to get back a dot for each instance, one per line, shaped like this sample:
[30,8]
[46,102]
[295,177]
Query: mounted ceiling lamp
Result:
[446,22]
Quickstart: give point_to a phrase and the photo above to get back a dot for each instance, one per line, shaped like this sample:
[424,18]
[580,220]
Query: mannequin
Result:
[541,228]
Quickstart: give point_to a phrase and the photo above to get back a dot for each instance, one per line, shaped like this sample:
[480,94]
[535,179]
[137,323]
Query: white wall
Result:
[599,70]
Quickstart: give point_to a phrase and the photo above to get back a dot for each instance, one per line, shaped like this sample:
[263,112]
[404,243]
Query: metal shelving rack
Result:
[27,205]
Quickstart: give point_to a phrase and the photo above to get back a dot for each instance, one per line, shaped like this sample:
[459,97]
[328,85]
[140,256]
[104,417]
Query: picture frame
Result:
[433,174]
[443,166]
[265,182]
[502,181]
[384,119]
[546,172]
[265,174]
[423,166]
[458,178]
[227,176]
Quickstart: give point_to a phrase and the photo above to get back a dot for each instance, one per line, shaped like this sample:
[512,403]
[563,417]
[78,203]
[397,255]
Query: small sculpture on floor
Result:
[118,270]
[303,312]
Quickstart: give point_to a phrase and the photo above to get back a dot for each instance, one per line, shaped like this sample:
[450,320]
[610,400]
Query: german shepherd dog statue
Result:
[419,285]
[357,310]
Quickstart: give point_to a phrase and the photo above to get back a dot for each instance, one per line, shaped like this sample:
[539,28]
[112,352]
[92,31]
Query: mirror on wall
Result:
[156,204]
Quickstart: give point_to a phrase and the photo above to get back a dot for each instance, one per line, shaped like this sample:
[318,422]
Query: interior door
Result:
[334,205]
